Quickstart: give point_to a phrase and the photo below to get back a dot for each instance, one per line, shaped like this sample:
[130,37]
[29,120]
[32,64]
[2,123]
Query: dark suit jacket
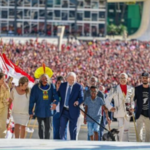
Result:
[76,95]
[139,97]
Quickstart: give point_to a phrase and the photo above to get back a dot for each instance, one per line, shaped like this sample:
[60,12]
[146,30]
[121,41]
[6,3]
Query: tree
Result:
[112,29]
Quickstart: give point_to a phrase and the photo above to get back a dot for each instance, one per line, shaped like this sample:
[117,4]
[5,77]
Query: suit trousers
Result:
[143,121]
[123,124]
[3,118]
[79,123]
[56,125]
[64,119]
[46,127]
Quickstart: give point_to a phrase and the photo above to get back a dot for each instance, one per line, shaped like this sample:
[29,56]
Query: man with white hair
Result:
[123,96]
[71,94]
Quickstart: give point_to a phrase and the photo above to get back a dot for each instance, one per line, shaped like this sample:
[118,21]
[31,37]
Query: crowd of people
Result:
[67,100]
[82,71]
[103,59]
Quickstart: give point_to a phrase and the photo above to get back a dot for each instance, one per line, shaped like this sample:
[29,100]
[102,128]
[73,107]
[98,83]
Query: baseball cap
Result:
[145,74]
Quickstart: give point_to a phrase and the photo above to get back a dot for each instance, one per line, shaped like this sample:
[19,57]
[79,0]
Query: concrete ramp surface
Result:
[32,144]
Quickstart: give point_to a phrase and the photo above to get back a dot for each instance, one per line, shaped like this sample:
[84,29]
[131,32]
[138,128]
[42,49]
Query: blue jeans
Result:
[93,127]
[99,121]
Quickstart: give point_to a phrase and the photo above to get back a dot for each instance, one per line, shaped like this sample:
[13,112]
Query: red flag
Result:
[16,72]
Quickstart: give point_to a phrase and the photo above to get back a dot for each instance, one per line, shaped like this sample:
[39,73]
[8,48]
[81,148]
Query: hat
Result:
[145,74]
[43,70]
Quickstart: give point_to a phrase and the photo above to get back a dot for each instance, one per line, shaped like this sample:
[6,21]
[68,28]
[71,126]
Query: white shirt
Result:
[67,92]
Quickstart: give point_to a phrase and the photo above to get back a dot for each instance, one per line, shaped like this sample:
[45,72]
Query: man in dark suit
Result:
[142,98]
[71,94]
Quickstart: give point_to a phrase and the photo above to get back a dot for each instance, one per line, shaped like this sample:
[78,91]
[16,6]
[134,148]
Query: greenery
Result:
[116,30]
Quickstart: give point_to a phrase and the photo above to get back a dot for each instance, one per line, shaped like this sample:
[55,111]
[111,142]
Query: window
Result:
[86,29]
[27,3]
[19,28]
[27,14]
[71,14]
[4,27]
[41,28]
[34,28]
[35,3]
[87,14]
[26,28]
[101,14]
[57,13]
[80,16]
[80,29]
[50,14]
[41,13]
[57,3]
[42,3]
[4,14]
[19,13]
[64,3]
[81,4]
[94,16]
[87,3]
[49,29]
[34,14]
[4,2]
[94,30]
[102,3]
[11,28]
[72,3]
[101,30]
[95,5]
[11,13]
[49,3]
[19,3]
[64,15]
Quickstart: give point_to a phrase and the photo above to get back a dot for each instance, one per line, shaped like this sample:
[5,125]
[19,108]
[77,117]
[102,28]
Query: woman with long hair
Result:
[19,97]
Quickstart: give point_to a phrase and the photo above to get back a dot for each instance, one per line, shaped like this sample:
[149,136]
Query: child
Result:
[93,106]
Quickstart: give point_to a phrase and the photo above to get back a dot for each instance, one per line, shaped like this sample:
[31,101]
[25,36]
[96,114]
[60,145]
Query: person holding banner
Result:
[45,98]
[4,101]
[19,97]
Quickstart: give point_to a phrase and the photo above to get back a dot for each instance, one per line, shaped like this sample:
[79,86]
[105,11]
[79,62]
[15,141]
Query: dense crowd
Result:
[103,59]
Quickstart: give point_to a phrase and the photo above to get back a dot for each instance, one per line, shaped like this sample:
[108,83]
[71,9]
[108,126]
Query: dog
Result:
[111,136]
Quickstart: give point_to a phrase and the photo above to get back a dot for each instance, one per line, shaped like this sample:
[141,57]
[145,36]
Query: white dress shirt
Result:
[66,93]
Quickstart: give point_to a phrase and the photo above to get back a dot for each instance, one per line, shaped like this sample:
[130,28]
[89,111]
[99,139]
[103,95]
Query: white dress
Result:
[20,107]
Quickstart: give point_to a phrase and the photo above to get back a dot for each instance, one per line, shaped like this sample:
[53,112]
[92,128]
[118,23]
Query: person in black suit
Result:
[142,98]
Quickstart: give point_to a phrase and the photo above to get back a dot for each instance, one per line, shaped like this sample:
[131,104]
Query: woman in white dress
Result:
[19,97]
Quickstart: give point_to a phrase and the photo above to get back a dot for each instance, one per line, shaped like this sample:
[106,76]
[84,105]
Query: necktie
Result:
[68,96]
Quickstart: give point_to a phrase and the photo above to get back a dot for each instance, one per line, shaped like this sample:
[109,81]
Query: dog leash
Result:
[112,137]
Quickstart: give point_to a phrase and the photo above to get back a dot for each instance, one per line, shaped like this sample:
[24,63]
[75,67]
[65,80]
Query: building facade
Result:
[42,17]
[125,13]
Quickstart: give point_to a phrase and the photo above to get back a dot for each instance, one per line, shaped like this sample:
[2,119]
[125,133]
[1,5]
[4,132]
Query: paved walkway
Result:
[83,132]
